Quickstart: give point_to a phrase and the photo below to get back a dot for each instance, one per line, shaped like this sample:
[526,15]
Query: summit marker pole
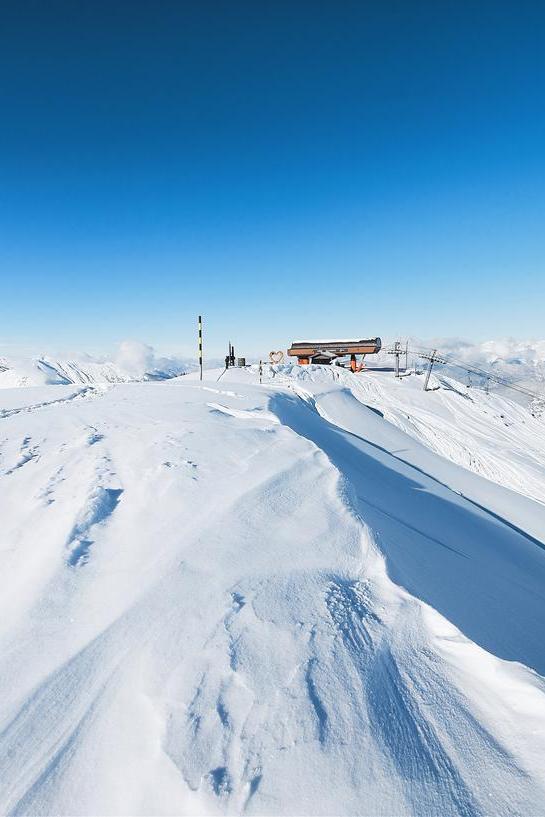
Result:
[200,345]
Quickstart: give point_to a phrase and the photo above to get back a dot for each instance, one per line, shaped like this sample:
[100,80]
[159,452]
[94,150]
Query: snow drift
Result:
[284,598]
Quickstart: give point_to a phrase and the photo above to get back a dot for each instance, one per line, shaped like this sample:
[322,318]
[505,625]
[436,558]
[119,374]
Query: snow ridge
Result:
[278,602]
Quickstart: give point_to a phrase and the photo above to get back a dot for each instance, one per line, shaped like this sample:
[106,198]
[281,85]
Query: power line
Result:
[446,359]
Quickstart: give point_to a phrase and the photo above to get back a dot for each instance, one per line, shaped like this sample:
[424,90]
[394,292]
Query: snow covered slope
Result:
[486,433]
[230,597]
[519,364]
[518,361]
[48,371]
[133,362]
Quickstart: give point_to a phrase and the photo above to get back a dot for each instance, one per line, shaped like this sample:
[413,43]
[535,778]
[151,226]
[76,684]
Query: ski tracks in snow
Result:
[85,393]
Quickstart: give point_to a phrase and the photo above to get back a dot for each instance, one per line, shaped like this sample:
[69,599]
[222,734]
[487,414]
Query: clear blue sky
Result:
[286,168]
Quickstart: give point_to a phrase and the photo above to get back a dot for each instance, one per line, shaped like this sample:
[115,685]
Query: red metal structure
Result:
[325,351]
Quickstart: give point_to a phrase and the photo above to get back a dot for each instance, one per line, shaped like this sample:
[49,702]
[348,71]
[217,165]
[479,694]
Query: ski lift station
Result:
[327,351]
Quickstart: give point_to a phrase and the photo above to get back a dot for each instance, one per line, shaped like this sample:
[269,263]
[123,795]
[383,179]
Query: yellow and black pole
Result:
[200,344]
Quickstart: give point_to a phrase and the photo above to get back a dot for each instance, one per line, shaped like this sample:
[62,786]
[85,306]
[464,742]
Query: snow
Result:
[520,363]
[334,339]
[132,361]
[322,594]
[517,358]
[487,433]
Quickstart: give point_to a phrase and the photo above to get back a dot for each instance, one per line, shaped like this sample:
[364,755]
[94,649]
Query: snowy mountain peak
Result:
[133,362]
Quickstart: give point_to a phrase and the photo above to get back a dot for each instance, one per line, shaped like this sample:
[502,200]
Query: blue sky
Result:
[285,168]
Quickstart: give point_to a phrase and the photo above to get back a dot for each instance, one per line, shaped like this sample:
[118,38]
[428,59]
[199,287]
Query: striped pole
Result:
[200,344]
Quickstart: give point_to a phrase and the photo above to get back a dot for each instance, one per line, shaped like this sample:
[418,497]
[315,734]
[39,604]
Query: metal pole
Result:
[200,345]
[260,371]
[397,357]
[430,367]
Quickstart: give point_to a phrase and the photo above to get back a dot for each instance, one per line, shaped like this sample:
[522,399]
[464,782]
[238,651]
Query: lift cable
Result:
[447,359]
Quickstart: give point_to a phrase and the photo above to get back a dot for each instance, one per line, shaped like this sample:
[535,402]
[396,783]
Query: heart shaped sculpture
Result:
[276,357]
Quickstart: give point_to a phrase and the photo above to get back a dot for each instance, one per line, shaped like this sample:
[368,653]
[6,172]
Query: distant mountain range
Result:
[133,362]
[519,362]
